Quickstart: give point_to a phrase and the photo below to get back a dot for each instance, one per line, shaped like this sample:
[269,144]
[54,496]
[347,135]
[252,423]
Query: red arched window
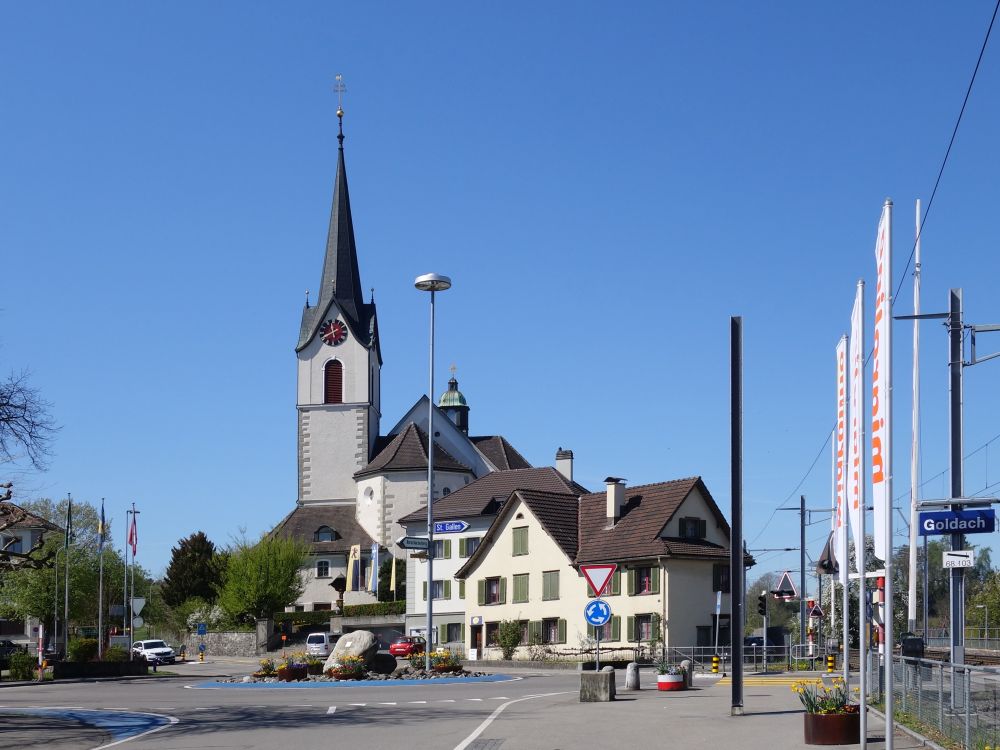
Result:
[333,383]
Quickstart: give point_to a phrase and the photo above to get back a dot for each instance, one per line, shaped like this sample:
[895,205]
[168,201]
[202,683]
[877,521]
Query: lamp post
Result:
[430,282]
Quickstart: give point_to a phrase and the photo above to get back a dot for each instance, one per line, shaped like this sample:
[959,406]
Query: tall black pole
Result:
[802,569]
[737,584]
[955,356]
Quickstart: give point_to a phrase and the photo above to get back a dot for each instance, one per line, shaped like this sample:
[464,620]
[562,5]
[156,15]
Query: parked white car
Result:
[155,652]
[320,644]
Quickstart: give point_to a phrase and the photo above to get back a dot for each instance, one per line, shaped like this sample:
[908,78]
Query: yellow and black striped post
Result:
[830,662]
[715,665]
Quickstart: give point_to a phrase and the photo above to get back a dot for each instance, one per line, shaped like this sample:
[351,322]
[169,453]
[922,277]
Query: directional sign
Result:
[598,576]
[785,589]
[982,521]
[597,613]
[959,558]
[138,602]
[202,629]
[450,527]
[413,542]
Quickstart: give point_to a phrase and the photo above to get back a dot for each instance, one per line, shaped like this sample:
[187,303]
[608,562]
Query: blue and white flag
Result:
[373,579]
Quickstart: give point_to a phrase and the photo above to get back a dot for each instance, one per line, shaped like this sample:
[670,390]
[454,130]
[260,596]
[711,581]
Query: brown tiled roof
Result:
[557,512]
[25,519]
[499,452]
[303,522]
[637,533]
[408,452]
[484,496]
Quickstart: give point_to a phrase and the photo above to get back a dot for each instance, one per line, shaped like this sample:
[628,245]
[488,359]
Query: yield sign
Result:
[598,576]
[785,588]
[816,611]
[138,602]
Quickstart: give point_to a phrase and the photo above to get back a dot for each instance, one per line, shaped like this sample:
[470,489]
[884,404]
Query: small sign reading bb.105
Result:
[961,558]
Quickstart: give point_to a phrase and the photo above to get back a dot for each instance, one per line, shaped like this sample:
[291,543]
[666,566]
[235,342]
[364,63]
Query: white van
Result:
[320,644]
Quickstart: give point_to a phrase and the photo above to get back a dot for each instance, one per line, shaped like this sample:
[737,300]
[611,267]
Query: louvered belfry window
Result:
[333,388]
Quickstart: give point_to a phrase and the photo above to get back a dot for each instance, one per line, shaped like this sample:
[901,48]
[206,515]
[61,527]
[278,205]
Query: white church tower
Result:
[339,362]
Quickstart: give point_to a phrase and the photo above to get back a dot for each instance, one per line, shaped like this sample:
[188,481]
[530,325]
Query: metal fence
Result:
[959,701]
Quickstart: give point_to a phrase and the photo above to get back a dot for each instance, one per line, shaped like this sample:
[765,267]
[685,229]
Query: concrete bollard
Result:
[597,687]
[688,668]
[632,676]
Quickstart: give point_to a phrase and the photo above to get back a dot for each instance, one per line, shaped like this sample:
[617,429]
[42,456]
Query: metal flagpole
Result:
[911,606]
[131,621]
[69,533]
[887,625]
[100,584]
[860,541]
[125,586]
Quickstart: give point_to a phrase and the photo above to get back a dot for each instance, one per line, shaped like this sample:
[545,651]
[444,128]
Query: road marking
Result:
[393,703]
[418,701]
[357,704]
[474,699]
[203,708]
[447,700]
[499,698]
[171,719]
[302,705]
[496,712]
[331,710]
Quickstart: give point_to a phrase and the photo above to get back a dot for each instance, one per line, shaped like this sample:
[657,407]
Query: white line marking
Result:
[499,698]
[173,720]
[393,703]
[302,705]
[447,700]
[331,710]
[418,701]
[203,708]
[496,712]
[474,699]
[357,704]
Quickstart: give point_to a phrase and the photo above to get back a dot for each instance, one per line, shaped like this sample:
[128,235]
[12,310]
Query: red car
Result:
[408,645]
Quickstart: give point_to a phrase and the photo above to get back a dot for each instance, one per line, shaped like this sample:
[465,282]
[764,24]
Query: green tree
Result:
[260,579]
[193,571]
[86,519]
[384,574]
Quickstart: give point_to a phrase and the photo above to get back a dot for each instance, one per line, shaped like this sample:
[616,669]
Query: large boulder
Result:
[361,643]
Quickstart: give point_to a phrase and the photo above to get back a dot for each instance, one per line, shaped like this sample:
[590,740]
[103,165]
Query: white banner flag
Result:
[881,380]
[856,410]
[840,462]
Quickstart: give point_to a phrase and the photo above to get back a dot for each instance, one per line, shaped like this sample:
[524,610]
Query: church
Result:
[355,481]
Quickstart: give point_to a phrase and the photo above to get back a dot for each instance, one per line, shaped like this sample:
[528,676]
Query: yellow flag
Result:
[353,559]
[392,576]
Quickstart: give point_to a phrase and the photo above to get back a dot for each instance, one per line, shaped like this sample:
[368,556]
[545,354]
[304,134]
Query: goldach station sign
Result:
[958,522]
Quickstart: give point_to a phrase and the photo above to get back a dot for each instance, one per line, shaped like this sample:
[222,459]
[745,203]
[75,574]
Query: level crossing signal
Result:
[762,604]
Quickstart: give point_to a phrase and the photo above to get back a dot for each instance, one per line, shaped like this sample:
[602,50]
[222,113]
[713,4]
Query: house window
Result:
[720,578]
[442,549]
[493,591]
[492,631]
[610,631]
[521,540]
[467,546]
[11,544]
[550,585]
[553,630]
[324,606]
[644,627]
[323,569]
[524,633]
[324,534]
[520,588]
[692,528]
[644,580]
[446,491]
[440,589]
[455,633]
[333,382]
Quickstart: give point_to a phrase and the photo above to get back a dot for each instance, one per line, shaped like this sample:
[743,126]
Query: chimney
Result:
[564,463]
[616,498]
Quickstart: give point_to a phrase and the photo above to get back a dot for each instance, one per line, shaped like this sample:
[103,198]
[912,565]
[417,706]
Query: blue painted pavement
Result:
[352,683]
[121,725]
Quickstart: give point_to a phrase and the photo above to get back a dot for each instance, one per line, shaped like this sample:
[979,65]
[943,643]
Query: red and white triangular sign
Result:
[598,576]
[816,611]
[785,589]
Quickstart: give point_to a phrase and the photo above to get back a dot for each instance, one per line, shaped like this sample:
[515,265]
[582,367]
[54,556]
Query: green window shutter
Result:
[481,585]
[461,591]
[590,591]
[516,536]
[425,590]
[461,547]
[463,633]
[555,585]
[631,584]
[535,631]
[591,632]
[545,586]
[616,583]
[442,634]
[654,585]
[616,628]
[447,549]
[447,589]
[503,590]
[562,631]
[630,628]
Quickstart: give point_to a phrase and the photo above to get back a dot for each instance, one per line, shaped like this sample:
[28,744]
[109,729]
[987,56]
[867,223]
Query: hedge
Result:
[322,617]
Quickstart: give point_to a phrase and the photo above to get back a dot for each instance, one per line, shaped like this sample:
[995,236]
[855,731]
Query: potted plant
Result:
[348,668]
[445,661]
[293,667]
[669,676]
[267,669]
[830,718]
[314,664]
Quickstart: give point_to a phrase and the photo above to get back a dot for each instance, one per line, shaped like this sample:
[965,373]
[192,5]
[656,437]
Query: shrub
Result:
[115,654]
[377,608]
[267,667]
[83,649]
[22,665]
[508,637]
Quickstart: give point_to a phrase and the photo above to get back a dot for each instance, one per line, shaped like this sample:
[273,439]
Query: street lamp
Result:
[430,282]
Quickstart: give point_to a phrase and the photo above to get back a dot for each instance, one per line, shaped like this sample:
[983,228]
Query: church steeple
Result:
[341,279]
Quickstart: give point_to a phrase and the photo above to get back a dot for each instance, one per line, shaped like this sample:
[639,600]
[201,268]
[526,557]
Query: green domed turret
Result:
[453,403]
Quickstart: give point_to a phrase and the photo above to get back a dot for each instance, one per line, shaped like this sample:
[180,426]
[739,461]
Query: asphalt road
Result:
[534,711]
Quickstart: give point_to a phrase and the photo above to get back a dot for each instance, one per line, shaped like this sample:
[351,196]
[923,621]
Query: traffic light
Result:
[762,605]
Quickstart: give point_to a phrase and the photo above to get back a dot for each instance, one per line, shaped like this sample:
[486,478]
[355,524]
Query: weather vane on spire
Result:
[453,369]
[340,88]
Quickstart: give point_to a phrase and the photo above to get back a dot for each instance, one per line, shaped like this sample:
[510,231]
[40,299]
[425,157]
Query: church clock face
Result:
[333,332]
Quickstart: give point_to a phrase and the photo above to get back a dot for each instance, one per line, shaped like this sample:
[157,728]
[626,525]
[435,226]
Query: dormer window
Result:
[693,528]
[324,534]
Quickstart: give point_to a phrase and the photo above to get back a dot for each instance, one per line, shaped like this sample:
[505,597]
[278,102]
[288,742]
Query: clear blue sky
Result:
[605,188]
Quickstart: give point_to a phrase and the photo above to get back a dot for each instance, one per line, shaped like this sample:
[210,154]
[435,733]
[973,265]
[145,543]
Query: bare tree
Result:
[26,427]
